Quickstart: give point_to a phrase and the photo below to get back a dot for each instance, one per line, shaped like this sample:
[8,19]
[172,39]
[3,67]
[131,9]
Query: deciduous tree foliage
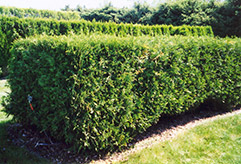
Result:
[223,17]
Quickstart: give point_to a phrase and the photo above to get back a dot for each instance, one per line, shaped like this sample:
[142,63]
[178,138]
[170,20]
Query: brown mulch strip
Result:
[167,127]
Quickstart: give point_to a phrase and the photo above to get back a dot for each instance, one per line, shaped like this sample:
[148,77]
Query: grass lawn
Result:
[9,153]
[217,141]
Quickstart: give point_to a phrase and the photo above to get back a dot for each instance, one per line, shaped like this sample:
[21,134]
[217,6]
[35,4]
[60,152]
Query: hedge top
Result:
[34,13]
[12,28]
[62,27]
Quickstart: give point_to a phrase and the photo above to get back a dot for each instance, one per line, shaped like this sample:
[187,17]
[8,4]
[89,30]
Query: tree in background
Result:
[224,17]
[105,14]
[228,19]
[140,13]
[189,12]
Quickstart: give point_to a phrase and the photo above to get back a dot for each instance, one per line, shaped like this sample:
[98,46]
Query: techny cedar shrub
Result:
[12,28]
[35,13]
[97,92]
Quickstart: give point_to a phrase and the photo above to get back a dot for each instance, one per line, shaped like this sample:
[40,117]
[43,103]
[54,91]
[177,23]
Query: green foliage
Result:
[190,12]
[140,13]
[223,16]
[227,19]
[105,14]
[12,28]
[10,153]
[34,13]
[96,92]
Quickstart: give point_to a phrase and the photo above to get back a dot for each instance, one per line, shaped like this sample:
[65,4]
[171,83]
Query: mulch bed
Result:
[42,145]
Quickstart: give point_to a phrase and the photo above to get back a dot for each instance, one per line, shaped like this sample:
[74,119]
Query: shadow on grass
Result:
[204,111]
[10,153]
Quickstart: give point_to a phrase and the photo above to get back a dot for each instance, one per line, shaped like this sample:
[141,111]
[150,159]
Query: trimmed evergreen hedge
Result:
[97,92]
[12,28]
[34,13]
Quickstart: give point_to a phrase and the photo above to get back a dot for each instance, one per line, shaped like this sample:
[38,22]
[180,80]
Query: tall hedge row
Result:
[97,92]
[34,13]
[12,28]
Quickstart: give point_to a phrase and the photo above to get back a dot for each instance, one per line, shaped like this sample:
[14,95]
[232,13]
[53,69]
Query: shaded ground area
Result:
[168,128]
[42,145]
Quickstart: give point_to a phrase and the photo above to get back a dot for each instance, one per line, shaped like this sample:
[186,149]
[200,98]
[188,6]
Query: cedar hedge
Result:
[97,92]
[12,28]
[34,13]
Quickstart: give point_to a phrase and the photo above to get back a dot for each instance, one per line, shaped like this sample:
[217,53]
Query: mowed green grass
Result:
[214,142]
[9,153]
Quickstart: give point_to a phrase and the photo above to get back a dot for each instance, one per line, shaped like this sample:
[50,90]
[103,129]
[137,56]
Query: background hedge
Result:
[12,28]
[97,92]
[34,13]
[223,16]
